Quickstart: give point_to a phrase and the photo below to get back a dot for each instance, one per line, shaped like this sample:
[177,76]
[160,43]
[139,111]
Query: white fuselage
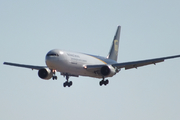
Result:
[71,62]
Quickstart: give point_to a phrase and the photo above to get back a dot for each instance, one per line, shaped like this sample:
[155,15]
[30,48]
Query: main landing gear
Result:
[67,83]
[104,82]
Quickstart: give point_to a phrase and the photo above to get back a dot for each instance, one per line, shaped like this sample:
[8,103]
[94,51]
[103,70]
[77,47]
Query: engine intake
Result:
[45,73]
[107,71]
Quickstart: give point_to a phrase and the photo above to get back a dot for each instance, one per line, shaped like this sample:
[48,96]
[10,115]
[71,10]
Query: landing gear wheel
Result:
[104,82]
[64,84]
[101,83]
[69,84]
[54,77]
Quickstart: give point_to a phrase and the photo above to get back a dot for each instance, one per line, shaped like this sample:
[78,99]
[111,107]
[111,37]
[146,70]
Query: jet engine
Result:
[107,71]
[45,73]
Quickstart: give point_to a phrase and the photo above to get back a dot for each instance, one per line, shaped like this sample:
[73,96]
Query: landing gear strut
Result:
[54,77]
[67,83]
[104,82]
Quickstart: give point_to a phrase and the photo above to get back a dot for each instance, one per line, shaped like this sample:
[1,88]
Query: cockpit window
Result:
[52,54]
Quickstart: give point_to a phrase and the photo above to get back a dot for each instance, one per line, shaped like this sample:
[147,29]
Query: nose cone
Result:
[54,58]
[51,57]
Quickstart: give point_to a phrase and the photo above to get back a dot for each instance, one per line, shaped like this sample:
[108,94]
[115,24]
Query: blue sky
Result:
[150,29]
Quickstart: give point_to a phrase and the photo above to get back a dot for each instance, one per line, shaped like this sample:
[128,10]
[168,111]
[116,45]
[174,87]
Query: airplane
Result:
[74,64]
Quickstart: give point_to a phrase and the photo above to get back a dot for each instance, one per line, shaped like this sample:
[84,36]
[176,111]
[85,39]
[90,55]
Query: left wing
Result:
[130,65]
[135,64]
[25,66]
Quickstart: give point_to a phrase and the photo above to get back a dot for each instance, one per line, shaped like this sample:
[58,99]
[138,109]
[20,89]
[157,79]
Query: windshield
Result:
[52,54]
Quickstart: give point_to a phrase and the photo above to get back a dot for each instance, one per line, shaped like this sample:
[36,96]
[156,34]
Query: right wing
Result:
[25,66]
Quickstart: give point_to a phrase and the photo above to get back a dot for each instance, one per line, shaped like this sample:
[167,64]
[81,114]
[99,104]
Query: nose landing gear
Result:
[54,77]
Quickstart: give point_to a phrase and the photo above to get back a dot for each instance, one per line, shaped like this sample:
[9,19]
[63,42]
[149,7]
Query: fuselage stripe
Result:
[98,59]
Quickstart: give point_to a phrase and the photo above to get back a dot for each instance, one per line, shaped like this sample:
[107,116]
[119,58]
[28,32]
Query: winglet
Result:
[113,53]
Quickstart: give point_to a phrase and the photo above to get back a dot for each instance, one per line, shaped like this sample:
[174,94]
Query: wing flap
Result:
[25,66]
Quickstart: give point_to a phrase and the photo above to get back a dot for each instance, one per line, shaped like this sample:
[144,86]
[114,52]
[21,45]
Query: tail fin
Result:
[113,53]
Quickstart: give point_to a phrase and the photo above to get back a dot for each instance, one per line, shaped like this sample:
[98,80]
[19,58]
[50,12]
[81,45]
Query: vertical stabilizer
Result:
[113,53]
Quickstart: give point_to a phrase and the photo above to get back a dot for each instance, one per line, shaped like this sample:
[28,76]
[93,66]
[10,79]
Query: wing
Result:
[135,64]
[93,68]
[25,66]
[130,65]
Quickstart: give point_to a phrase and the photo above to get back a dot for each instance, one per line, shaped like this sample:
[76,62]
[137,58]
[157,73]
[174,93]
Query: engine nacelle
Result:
[45,73]
[107,71]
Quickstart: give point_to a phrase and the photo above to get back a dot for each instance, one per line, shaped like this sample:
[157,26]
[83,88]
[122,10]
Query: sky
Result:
[150,29]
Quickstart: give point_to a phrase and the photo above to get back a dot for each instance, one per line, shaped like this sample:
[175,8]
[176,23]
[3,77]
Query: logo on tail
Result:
[116,45]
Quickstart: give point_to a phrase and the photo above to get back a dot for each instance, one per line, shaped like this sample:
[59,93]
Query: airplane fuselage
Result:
[74,63]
